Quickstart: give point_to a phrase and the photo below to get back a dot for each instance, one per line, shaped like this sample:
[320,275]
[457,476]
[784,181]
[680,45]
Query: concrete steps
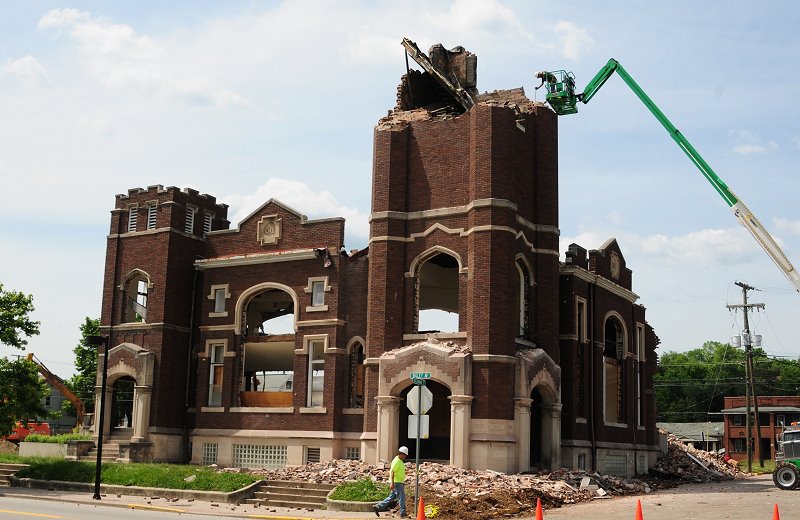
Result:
[6,470]
[283,493]
[110,445]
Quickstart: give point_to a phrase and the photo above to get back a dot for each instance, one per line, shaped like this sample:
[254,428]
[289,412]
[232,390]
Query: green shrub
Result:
[363,490]
[165,476]
[57,439]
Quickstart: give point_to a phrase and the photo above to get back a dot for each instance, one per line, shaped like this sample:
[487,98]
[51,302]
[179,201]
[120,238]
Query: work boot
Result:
[375,510]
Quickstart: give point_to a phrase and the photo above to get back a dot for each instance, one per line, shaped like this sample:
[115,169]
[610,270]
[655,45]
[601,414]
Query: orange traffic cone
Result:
[421,509]
[775,514]
[539,509]
[639,510]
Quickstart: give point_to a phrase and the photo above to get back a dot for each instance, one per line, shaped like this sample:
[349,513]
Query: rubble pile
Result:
[688,464]
[471,494]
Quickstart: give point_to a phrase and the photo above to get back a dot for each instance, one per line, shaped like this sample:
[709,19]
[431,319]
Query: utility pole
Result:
[750,387]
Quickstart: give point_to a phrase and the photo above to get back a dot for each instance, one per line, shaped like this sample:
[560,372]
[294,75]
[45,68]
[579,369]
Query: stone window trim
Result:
[581,322]
[641,354]
[212,295]
[308,341]
[309,289]
[309,338]
[209,345]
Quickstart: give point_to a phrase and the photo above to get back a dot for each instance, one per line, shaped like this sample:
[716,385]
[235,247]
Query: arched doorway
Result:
[437,445]
[122,404]
[613,370]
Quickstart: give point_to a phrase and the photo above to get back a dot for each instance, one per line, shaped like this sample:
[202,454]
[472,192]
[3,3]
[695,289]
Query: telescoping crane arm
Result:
[562,98]
[80,408]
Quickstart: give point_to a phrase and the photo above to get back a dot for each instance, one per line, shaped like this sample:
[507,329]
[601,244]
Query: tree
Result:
[14,320]
[82,383]
[22,393]
[690,384]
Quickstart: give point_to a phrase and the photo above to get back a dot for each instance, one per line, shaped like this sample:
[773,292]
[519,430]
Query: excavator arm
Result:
[563,99]
[58,383]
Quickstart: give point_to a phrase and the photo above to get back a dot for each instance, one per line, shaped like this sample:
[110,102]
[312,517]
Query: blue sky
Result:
[252,100]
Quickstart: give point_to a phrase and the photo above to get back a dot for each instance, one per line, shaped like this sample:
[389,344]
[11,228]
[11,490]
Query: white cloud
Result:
[792,226]
[120,58]
[306,200]
[469,16]
[700,249]
[751,142]
[573,40]
[27,69]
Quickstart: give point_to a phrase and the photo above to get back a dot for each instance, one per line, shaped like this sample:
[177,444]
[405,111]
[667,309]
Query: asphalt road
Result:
[749,499]
[30,509]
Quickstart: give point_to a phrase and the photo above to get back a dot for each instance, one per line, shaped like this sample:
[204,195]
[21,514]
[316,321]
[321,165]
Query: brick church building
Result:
[265,343]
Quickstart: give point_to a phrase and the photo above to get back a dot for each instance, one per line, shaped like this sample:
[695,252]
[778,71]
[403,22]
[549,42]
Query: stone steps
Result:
[281,493]
[6,470]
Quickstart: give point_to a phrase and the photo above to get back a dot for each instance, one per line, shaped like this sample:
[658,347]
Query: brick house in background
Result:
[774,412]
[267,344]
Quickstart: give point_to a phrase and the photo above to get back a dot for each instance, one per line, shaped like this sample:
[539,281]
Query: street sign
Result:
[425,426]
[421,395]
[420,375]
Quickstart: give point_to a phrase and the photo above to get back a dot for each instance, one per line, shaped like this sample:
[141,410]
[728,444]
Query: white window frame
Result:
[213,346]
[308,349]
[152,214]
[212,295]
[208,219]
[133,217]
[309,289]
[188,227]
[581,321]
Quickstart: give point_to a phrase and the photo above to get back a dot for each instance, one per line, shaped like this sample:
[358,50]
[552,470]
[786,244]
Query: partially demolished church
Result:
[265,343]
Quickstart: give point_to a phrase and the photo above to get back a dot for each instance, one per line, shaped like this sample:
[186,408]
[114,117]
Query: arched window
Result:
[355,394]
[437,294]
[135,292]
[523,313]
[613,365]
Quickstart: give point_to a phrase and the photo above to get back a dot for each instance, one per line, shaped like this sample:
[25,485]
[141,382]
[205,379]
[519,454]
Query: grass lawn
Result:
[167,476]
[363,490]
[769,466]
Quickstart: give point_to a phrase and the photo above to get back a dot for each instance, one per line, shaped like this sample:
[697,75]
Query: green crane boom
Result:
[563,99]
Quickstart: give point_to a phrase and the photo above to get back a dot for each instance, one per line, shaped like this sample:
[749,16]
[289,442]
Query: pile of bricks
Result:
[481,491]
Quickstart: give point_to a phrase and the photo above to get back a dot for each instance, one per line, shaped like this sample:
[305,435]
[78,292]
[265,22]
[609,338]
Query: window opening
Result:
[312,455]
[352,453]
[207,219]
[216,375]
[152,211]
[613,356]
[523,301]
[269,355]
[189,227]
[437,294]
[317,293]
[136,293]
[356,389]
[219,300]
[316,372]
[639,380]
[133,213]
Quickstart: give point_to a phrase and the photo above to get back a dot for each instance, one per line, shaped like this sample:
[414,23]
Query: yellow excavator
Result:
[58,383]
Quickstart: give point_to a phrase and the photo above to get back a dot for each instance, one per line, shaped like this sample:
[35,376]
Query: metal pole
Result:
[98,464]
[419,432]
[747,413]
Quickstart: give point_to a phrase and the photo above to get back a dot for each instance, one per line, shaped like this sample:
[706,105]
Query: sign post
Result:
[419,378]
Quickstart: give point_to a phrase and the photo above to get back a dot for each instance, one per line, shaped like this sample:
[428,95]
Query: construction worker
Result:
[397,478]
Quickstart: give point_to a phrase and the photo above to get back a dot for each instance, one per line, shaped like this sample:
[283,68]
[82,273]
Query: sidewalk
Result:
[196,507]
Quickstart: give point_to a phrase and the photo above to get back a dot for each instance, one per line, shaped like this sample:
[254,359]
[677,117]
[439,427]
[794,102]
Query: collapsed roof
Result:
[445,88]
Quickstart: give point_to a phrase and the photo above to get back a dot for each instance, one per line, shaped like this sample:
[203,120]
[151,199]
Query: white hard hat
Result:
[403,450]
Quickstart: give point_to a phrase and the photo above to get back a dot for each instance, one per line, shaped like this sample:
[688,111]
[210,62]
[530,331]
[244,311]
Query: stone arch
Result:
[524,260]
[256,289]
[537,410]
[450,369]
[353,341]
[133,361]
[430,253]
[136,273]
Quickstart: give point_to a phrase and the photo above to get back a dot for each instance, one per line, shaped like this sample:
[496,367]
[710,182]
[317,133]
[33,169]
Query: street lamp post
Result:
[96,341]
